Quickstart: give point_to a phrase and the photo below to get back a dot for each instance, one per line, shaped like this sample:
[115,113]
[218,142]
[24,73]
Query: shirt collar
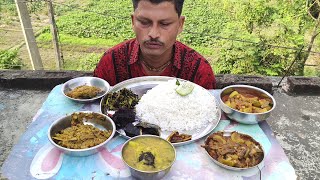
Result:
[177,54]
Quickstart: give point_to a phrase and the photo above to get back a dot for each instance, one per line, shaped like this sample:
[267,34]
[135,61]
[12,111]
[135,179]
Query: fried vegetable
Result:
[132,130]
[148,128]
[247,103]
[84,92]
[123,116]
[219,139]
[79,118]
[124,98]
[235,137]
[238,150]
[141,128]
[175,137]
[79,135]
[233,94]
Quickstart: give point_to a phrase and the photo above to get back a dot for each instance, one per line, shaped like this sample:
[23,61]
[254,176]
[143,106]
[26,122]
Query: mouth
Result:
[153,45]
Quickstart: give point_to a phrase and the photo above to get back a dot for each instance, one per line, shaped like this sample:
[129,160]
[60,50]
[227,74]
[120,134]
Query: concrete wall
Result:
[46,80]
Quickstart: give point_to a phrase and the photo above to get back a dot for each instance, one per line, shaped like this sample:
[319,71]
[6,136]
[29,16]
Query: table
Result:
[33,157]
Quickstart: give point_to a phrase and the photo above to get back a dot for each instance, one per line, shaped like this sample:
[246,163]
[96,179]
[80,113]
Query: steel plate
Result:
[90,81]
[228,133]
[140,86]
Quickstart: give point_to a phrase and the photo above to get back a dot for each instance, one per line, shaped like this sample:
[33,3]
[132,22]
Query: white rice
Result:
[163,106]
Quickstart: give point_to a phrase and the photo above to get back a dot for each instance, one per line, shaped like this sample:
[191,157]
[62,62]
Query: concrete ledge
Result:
[302,86]
[49,79]
[38,80]
[257,81]
[46,80]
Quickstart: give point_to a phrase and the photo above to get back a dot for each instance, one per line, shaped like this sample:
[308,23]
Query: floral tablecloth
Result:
[33,157]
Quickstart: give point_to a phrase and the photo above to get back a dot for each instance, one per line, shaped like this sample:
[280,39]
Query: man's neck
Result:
[157,61]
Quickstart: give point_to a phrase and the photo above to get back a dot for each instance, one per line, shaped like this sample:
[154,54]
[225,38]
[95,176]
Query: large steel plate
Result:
[140,86]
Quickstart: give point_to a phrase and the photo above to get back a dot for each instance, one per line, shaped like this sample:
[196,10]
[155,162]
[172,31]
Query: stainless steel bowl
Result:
[65,122]
[146,175]
[90,81]
[242,117]
[228,133]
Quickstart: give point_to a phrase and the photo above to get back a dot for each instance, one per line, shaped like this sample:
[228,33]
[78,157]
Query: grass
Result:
[76,41]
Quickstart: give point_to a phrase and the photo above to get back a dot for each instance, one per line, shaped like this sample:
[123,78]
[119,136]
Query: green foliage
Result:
[89,62]
[239,58]
[203,21]
[36,6]
[7,11]
[310,72]
[99,21]
[234,35]
[9,59]
[71,40]
[87,25]
[262,23]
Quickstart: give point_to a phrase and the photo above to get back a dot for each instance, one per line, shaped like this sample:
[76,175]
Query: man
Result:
[155,51]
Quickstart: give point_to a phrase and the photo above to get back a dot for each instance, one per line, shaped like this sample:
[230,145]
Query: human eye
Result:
[165,24]
[144,22]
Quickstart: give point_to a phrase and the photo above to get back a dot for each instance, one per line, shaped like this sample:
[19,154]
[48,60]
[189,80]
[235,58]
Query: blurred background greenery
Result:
[256,37]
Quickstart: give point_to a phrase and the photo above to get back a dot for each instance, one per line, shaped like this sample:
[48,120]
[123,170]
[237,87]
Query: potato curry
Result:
[238,150]
[247,102]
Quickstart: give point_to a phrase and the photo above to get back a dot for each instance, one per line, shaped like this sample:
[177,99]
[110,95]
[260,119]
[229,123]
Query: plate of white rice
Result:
[196,114]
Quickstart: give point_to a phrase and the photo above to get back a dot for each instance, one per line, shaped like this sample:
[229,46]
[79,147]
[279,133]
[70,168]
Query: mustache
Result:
[153,41]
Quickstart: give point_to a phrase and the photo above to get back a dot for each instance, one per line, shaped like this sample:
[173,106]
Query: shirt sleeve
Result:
[205,76]
[105,69]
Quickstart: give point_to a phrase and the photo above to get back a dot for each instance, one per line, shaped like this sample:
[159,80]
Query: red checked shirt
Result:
[121,63]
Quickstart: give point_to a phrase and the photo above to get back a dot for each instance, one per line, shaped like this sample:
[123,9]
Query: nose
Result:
[154,32]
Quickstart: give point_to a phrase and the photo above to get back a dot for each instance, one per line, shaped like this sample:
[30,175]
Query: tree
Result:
[275,31]
[314,12]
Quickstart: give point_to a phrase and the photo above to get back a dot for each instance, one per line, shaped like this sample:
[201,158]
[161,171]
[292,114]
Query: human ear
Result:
[181,23]
[132,21]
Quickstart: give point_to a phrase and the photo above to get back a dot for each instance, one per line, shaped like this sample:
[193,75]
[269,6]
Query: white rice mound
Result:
[164,107]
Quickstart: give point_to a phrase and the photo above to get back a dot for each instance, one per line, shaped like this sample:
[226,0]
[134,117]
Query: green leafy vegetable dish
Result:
[124,98]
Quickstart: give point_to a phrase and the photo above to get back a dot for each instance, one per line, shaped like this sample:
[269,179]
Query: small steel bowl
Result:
[146,175]
[90,81]
[228,133]
[65,122]
[242,117]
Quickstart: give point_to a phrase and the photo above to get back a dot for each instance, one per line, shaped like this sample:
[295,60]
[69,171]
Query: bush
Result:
[89,62]
[9,59]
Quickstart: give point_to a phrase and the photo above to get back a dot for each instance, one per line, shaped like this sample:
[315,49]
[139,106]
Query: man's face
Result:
[156,27]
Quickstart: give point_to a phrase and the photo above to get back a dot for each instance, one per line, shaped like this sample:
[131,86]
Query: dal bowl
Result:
[148,156]
[70,85]
[97,120]
[255,105]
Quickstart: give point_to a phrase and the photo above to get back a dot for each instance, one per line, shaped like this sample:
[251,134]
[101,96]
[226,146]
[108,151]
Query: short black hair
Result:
[178,4]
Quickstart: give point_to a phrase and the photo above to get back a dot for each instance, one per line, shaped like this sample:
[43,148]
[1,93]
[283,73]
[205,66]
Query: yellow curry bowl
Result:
[81,133]
[246,104]
[148,156]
